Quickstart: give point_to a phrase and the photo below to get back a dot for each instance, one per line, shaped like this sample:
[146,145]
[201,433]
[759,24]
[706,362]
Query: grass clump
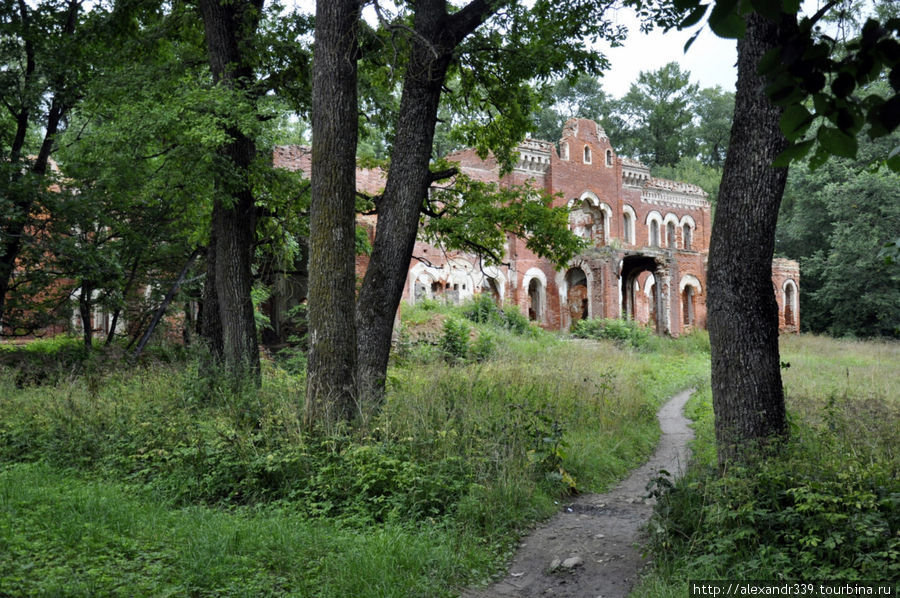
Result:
[826,507]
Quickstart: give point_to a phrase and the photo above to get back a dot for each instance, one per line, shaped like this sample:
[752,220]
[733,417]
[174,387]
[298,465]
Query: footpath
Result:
[587,550]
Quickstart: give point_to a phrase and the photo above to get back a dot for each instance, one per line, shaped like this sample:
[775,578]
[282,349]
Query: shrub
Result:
[516,322]
[484,347]
[780,520]
[483,310]
[623,332]
[454,343]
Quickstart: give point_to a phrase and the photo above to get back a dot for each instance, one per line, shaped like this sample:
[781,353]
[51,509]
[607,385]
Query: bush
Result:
[483,310]
[623,332]
[454,343]
[484,347]
[782,521]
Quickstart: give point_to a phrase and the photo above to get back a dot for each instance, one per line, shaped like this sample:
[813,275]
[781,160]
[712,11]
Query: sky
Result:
[710,60]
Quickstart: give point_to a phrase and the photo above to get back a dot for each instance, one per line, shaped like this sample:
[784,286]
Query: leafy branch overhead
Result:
[474,216]
[816,78]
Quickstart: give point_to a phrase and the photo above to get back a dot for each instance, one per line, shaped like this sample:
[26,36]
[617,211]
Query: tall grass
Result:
[143,481]
[826,508]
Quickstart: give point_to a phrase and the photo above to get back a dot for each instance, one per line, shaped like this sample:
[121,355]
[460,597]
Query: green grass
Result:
[140,481]
[826,507]
[66,536]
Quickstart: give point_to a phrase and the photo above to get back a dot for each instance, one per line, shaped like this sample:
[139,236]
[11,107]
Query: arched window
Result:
[790,303]
[687,305]
[654,233]
[587,154]
[670,235]
[686,234]
[535,308]
[690,289]
[628,220]
[577,295]
[564,150]
[609,158]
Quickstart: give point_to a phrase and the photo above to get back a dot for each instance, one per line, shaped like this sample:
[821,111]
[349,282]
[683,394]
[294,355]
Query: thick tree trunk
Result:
[210,323]
[230,26]
[748,399]
[437,35]
[331,375]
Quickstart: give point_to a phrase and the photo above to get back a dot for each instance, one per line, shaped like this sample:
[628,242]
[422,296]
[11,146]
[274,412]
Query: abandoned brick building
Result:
[648,241]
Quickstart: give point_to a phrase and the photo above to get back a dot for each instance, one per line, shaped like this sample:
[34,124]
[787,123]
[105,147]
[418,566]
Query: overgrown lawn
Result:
[147,480]
[826,508]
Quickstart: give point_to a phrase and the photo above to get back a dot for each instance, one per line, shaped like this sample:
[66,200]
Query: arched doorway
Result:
[633,266]
[687,307]
[490,286]
[577,295]
[535,304]
[790,303]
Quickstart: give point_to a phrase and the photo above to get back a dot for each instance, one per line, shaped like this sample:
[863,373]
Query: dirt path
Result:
[587,550]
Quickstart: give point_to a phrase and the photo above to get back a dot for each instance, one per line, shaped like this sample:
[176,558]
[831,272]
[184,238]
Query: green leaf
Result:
[683,5]
[693,19]
[769,61]
[691,41]
[795,121]
[836,142]
[795,151]
[893,162]
[725,21]
[819,158]
[770,9]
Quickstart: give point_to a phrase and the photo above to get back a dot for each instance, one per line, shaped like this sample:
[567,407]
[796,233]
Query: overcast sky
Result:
[710,59]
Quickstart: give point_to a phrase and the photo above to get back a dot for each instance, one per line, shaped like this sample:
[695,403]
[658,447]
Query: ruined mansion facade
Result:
[648,241]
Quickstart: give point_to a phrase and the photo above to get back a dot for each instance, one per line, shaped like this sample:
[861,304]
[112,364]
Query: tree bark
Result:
[229,27]
[331,375]
[437,34]
[748,398]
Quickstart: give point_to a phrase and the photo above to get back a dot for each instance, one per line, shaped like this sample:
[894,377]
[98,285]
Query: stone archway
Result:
[632,267]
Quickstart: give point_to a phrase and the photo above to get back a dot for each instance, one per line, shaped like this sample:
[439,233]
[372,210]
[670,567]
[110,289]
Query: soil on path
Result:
[588,549]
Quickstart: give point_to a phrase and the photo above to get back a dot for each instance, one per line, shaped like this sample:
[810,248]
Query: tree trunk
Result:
[12,230]
[23,195]
[748,399]
[210,323]
[161,310]
[230,27]
[85,307]
[331,388]
[437,36]
[125,291]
